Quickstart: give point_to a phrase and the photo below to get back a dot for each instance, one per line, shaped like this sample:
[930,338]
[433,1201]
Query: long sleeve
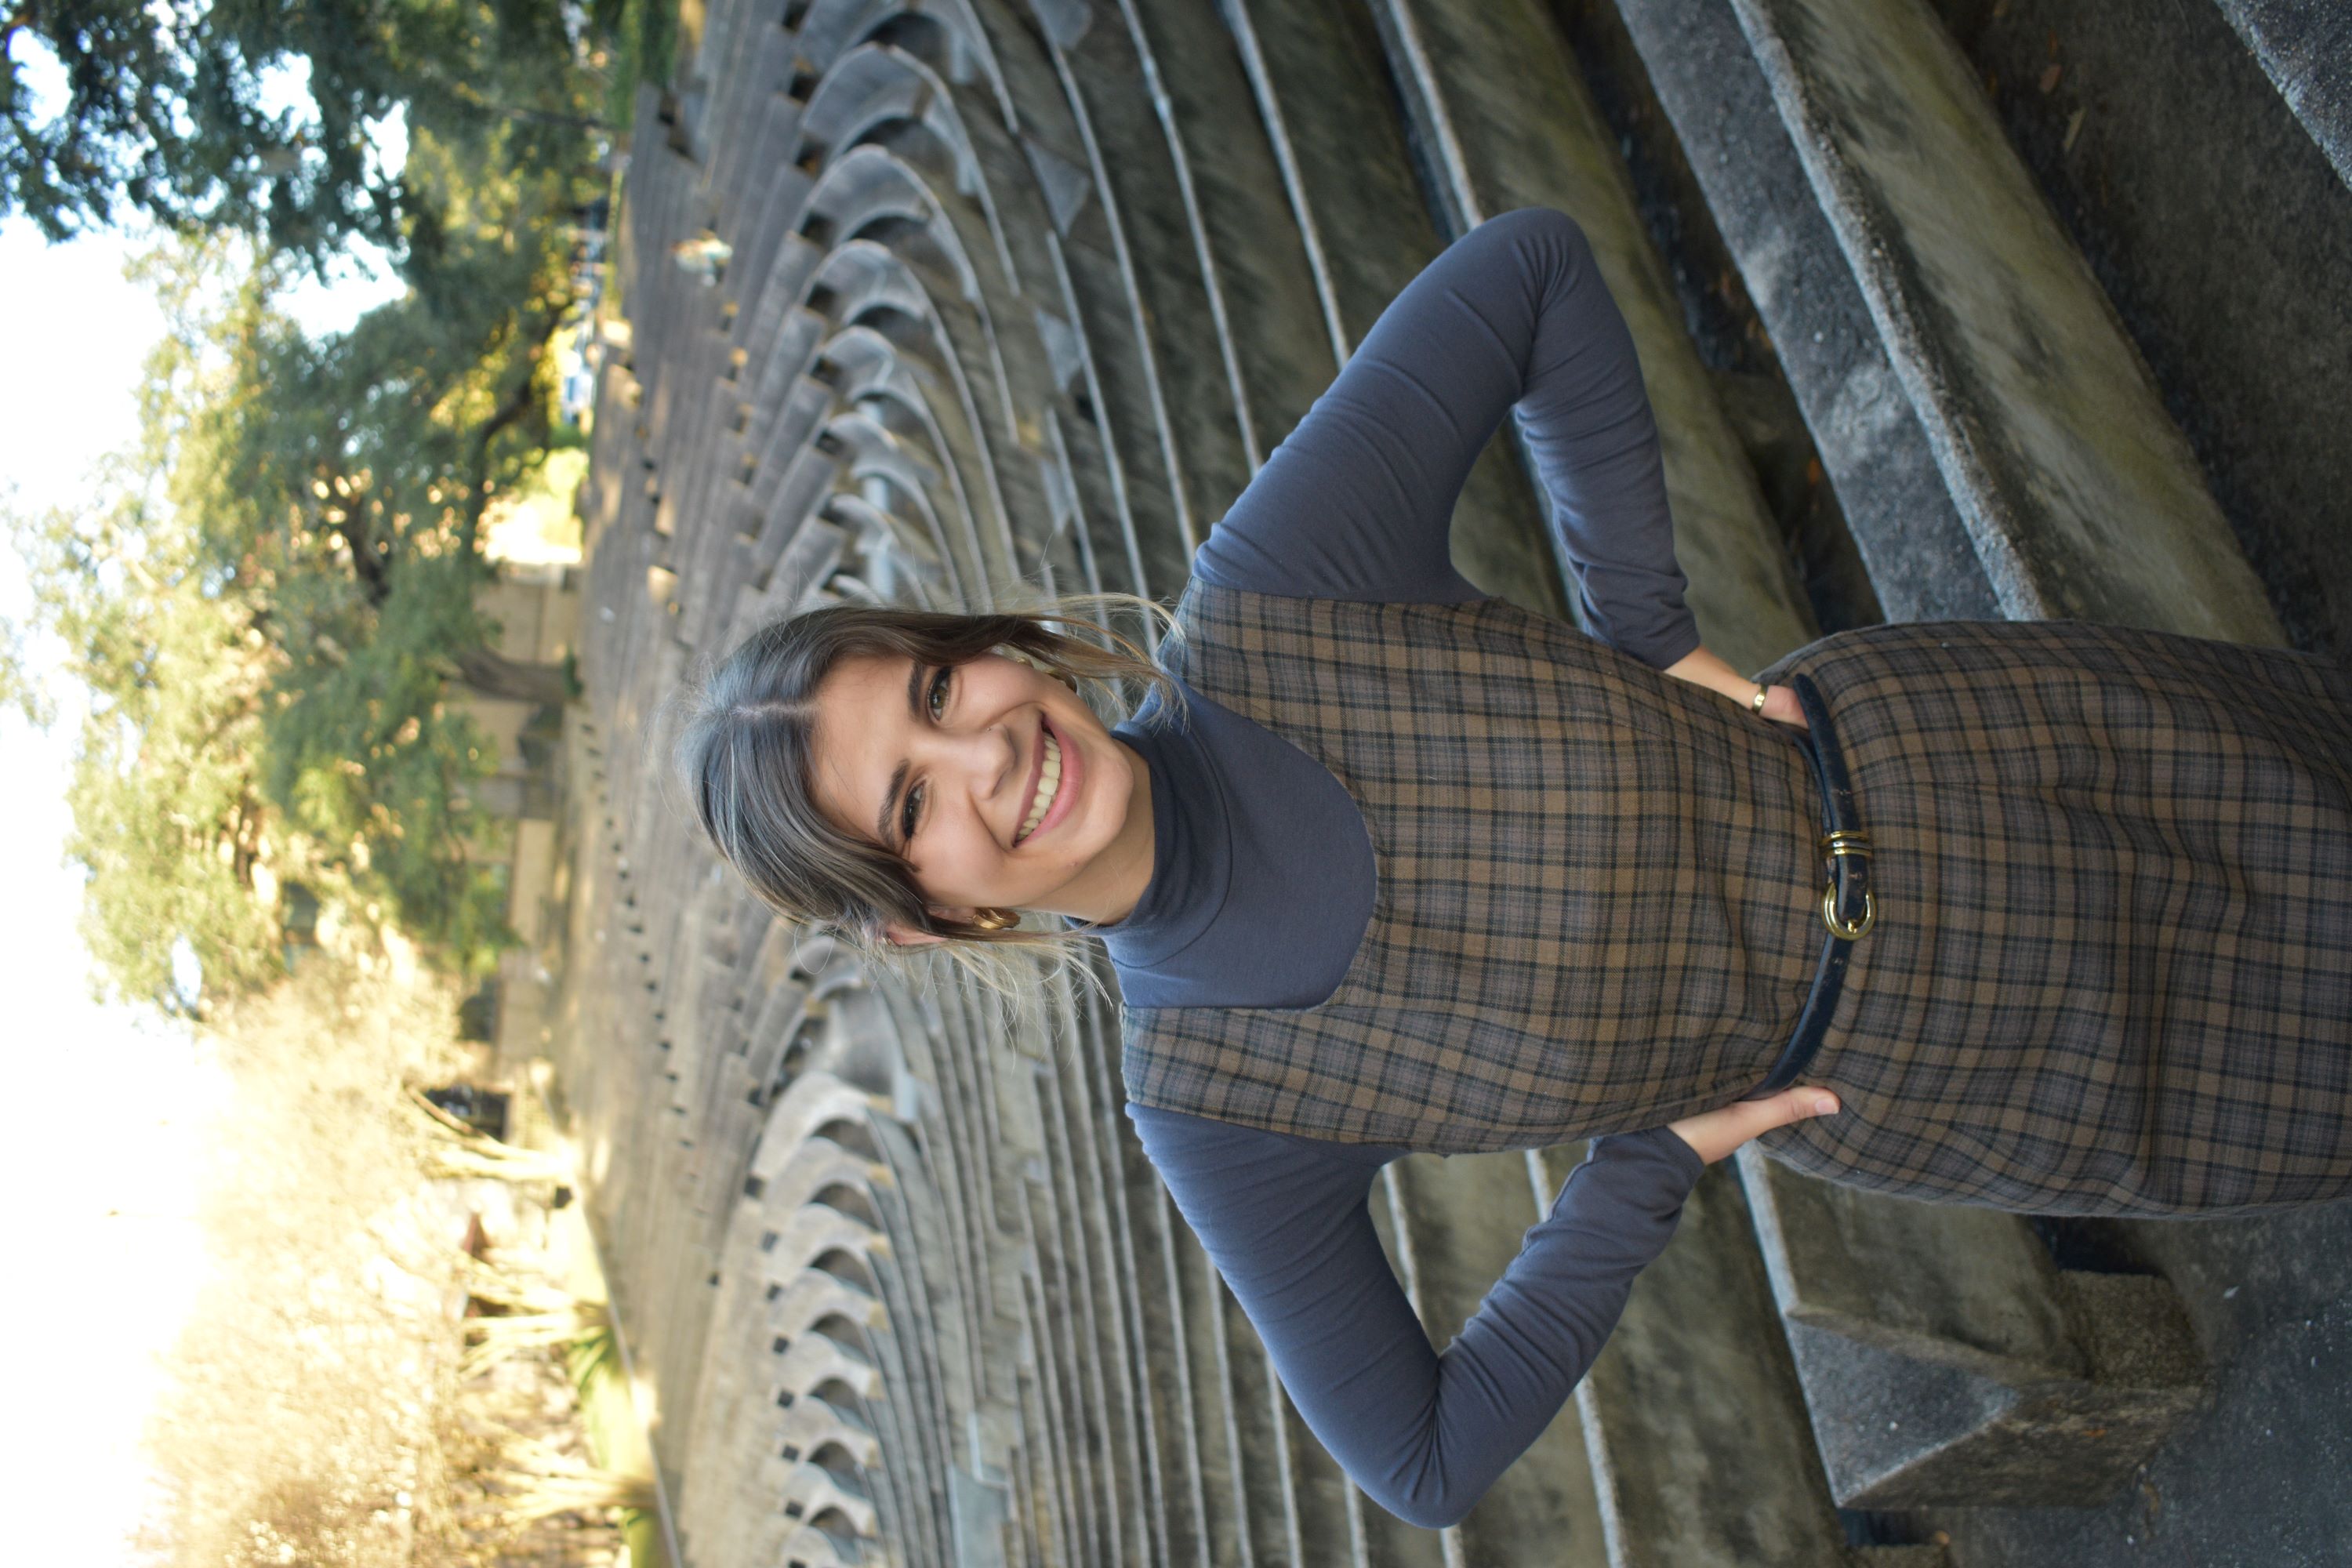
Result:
[1358,501]
[1423,1434]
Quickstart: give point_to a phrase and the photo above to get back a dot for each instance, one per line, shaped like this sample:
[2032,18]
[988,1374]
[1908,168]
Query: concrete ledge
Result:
[1701,1451]
[1922,562]
[2083,498]
[2306,47]
[1946,1359]
[1502,119]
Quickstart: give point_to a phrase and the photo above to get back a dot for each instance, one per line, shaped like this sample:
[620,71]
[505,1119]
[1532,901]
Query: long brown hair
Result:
[744,752]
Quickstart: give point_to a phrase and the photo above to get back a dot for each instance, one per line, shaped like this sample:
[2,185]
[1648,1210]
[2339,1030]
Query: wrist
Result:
[1701,667]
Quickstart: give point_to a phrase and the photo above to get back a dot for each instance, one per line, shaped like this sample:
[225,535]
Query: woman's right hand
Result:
[1715,1133]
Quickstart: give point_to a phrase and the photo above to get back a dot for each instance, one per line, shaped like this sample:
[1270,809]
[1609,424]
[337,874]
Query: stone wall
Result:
[1015,298]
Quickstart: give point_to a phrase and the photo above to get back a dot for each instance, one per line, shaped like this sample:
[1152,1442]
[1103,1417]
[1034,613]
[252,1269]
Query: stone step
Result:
[1463,1220]
[1948,1360]
[1503,119]
[2081,496]
[1701,1452]
[2303,45]
[1923,562]
[1318,78]
[2144,125]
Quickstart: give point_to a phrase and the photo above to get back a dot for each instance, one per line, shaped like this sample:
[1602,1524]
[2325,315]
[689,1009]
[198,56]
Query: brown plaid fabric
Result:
[2112,967]
[1598,901]
[2112,972]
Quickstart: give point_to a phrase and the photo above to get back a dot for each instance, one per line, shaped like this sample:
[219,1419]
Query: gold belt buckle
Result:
[1837,842]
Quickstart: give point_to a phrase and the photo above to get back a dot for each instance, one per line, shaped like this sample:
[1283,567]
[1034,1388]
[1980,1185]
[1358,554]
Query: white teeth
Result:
[1047,780]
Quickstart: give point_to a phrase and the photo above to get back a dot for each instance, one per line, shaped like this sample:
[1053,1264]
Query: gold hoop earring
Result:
[995,920]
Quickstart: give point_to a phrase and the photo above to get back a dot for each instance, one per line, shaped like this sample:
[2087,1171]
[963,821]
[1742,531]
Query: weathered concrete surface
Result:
[1464,1219]
[1923,562]
[1503,119]
[1702,1455]
[1945,1358]
[1896,1432]
[2082,497]
[2259,1479]
[2224,238]
[2305,48]
[1321,91]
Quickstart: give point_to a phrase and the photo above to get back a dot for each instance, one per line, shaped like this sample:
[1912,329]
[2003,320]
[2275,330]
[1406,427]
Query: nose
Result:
[986,761]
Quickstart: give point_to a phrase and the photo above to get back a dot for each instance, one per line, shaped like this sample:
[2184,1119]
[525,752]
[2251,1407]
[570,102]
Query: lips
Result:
[1065,790]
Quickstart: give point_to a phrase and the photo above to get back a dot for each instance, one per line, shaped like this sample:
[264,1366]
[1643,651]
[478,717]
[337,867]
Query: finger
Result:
[1797,1104]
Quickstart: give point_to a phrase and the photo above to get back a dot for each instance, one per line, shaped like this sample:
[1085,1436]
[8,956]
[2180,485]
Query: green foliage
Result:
[168,817]
[20,688]
[273,596]
[165,111]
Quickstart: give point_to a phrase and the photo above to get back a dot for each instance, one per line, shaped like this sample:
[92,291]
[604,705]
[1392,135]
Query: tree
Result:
[274,599]
[169,815]
[169,110]
[167,804]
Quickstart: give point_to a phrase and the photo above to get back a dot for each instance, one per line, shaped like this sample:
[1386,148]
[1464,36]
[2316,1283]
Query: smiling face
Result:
[944,767]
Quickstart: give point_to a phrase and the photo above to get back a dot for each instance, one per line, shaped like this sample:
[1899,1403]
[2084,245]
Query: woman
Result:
[2052,916]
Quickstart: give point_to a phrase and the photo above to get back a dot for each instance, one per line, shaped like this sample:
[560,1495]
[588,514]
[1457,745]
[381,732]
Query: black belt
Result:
[1847,907]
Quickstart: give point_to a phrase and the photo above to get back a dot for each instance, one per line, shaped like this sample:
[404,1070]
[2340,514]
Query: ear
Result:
[902,936]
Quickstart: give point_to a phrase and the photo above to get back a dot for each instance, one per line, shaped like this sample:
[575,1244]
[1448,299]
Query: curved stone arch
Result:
[804,1546]
[814,1296]
[880,382]
[1038,292]
[823,1497]
[870,192]
[958,24]
[929,578]
[835,1458]
[868,186]
[890,98]
[861,1046]
[807,1103]
[895,380]
[850,1195]
[872,451]
[1050,449]
[811,1423]
[793,1046]
[854,1269]
[832,1536]
[857,1134]
[811,1361]
[815,1165]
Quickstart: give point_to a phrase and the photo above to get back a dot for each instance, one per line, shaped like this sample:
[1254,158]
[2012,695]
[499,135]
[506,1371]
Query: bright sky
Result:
[107,1110]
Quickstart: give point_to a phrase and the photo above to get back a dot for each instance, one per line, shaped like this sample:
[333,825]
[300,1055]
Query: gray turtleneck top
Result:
[1262,874]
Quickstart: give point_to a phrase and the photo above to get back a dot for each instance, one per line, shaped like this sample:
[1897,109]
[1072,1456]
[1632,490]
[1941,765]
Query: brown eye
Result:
[937,696]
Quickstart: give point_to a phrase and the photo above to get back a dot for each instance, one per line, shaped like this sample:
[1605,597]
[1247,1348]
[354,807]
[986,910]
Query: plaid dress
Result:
[2113,874]
[2112,970]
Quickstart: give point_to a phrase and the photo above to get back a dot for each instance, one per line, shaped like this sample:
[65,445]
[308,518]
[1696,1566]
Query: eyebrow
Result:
[899,775]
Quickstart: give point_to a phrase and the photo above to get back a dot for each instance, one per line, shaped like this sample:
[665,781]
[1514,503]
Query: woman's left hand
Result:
[1701,667]
[1716,1133]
